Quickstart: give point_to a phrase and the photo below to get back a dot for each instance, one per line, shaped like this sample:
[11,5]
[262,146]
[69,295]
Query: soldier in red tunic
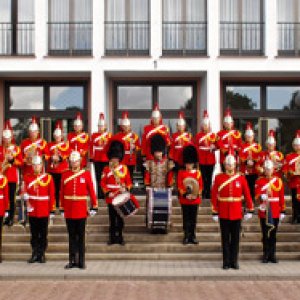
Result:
[98,143]
[79,140]
[115,180]
[57,156]
[226,199]
[155,127]
[76,187]
[248,157]
[3,205]
[179,139]
[34,145]
[39,191]
[190,189]
[205,142]
[271,153]
[228,138]
[130,141]
[269,191]
[292,172]
[10,161]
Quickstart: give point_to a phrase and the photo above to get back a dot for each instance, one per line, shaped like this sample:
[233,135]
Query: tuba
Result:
[192,186]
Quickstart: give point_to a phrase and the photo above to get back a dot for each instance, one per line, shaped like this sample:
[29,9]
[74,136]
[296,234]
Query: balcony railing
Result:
[288,39]
[70,39]
[241,38]
[184,38]
[128,38]
[16,39]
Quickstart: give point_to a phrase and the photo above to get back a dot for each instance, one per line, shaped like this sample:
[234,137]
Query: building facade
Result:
[60,56]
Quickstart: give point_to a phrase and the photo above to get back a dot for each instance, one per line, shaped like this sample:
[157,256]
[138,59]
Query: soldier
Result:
[228,138]
[226,199]
[76,187]
[248,157]
[79,140]
[32,146]
[98,143]
[155,127]
[130,141]
[271,153]
[10,160]
[205,142]
[39,192]
[57,155]
[292,173]
[190,188]
[115,181]
[179,139]
[3,205]
[269,191]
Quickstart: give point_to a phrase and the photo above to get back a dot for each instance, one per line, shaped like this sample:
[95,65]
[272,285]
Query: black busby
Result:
[116,150]
[190,155]
[158,144]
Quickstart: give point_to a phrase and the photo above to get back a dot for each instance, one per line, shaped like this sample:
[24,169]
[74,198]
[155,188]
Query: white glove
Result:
[247,216]
[52,216]
[6,214]
[30,209]
[62,214]
[282,216]
[25,196]
[93,212]
[264,197]
[215,218]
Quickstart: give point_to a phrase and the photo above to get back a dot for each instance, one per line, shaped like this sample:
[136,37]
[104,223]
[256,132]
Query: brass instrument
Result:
[30,153]
[191,186]
[55,162]
[297,167]
[6,164]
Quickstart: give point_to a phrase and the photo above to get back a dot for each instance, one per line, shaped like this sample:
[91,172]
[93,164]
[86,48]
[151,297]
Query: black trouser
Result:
[76,230]
[207,173]
[12,187]
[39,233]
[189,219]
[230,233]
[251,178]
[116,225]
[269,238]
[131,170]
[56,178]
[296,206]
[99,166]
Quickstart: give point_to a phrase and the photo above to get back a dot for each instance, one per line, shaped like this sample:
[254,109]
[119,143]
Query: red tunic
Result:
[98,143]
[113,179]
[80,143]
[178,141]
[74,192]
[226,196]
[11,172]
[273,187]
[131,144]
[4,202]
[226,139]
[289,169]
[276,156]
[183,174]
[30,148]
[62,149]
[149,131]
[249,152]
[204,142]
[41,191]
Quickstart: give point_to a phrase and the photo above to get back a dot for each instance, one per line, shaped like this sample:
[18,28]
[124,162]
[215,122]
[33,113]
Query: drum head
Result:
[121,198]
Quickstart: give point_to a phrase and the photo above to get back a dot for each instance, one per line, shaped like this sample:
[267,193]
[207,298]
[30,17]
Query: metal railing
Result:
[17,38]
[65,38]
[288,39]
[241,38]
[184,38]
[127,38]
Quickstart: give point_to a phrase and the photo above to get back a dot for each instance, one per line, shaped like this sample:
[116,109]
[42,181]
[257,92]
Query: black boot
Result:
[34,257]
[185,240]
[42,257]
[71,263]
[81,261]
[121,239]
[265,258]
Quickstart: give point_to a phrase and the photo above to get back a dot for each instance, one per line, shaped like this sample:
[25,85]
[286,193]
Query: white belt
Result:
[38,197]
[128,152]
[178,147]
[273,199]
[204,148]
[98,148]
[113,186]
[1,196]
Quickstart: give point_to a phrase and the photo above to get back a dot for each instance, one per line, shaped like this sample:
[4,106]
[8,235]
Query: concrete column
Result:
[213,28]
[156,28]
[41,32]
[271,30]
[98,28]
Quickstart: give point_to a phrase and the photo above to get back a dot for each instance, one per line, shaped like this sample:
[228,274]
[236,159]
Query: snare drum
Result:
[125,205]
[159,208]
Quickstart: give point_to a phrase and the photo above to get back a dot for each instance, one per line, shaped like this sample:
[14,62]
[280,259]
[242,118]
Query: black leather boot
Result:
[34,257]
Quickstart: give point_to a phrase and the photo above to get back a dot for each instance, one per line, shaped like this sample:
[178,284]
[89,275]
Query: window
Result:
[66,97]
[241,27]
[283,98]
[26,98]
[16,27]
[184,27]
[288,13]
[127,29]
[70,27]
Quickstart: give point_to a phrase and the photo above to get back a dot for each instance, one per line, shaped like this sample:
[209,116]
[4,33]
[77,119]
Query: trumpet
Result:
[6,164]
[30,153]
[55,158]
